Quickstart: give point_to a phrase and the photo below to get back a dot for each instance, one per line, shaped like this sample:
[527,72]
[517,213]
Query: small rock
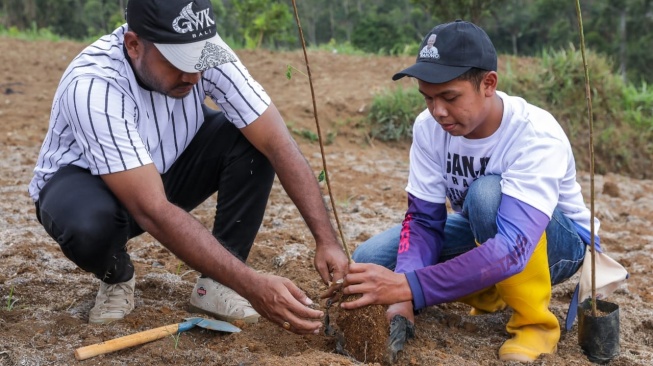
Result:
[611,189]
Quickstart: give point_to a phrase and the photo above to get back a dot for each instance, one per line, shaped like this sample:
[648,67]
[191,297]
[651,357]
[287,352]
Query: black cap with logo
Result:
[449,50]
[184,31]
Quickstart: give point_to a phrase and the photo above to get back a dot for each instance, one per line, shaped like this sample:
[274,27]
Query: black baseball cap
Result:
[449,50]
[183,31]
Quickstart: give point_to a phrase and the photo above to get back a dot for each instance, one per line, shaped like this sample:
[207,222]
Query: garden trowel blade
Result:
[213,324]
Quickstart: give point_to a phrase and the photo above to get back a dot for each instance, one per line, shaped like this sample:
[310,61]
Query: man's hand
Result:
[377,284]
[279,300]
[331,262]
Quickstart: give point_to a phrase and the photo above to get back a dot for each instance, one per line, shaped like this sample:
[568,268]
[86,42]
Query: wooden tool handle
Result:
[131,340]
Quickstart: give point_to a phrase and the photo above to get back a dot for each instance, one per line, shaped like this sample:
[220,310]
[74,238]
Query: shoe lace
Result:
[118,296]
[234,300]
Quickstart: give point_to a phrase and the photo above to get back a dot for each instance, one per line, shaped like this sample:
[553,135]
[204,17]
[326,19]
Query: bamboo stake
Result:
[588,95]
[319,133]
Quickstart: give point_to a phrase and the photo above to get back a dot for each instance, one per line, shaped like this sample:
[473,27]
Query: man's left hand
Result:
[377,284]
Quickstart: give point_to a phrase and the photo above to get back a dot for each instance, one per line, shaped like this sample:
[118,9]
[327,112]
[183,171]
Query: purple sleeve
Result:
[519,229]
[422,233]
[420,241]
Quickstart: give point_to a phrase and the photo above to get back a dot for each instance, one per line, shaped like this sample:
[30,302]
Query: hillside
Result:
[48,320]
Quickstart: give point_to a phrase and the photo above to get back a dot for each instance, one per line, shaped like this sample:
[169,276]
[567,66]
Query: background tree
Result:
[102,16]
[470,10]
[512,28]
[379,31]
[262,21]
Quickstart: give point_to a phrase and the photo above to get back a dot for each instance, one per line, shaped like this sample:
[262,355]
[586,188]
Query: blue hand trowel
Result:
[152,335]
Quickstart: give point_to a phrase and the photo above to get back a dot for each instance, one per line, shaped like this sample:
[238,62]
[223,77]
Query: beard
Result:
[154,83]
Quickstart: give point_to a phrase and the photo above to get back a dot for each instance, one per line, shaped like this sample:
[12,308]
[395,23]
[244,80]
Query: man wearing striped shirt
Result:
[131,148]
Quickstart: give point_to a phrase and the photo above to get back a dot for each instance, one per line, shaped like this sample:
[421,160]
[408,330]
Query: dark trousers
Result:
[92,227]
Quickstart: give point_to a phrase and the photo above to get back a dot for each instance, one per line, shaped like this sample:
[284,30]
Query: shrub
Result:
[392,114]
[622,113]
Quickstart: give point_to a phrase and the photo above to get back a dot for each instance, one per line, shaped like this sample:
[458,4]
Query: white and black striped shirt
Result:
[103,121]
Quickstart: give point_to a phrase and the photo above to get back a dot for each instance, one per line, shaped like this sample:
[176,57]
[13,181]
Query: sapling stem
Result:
[319,133]
[588,96]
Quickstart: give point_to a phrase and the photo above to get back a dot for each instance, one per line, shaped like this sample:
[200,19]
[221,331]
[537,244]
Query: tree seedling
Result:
[598,334]
[289,70]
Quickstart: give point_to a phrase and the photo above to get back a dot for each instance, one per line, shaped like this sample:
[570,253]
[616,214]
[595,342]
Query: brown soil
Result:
[361,333]
[45,299]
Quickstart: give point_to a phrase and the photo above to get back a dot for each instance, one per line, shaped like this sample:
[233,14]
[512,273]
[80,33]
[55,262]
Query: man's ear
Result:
[489,83]
[133,45]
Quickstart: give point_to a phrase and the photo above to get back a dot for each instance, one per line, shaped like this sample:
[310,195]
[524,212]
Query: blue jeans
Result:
[566,249]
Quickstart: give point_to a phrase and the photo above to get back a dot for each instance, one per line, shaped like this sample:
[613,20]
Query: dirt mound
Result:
[46,299]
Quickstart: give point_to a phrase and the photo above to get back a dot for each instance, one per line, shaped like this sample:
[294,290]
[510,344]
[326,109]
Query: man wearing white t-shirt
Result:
[131,148]
[519,223]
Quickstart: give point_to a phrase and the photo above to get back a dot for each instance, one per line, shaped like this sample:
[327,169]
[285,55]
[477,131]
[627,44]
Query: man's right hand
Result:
[279,300]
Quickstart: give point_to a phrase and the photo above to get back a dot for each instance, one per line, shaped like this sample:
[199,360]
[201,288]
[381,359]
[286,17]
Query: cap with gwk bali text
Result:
[183,31]
[450,50]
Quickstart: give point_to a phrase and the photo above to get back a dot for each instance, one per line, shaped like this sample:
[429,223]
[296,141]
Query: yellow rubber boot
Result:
[534,329]
[484,301]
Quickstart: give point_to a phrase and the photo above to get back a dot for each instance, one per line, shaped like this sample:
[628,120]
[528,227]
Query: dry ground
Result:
[44,299]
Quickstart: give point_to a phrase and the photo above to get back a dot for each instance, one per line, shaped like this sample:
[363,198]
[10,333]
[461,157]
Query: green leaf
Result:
[289,72]
[320,177]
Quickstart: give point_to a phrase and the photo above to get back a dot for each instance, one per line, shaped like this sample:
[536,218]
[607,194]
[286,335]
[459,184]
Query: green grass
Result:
[11,301]
[307,134]
[175,338]
[343,48]
[32,34]
[41,34]
[392,114]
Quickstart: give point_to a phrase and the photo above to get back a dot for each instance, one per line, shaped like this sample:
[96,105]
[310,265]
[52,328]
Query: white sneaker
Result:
[113,302]
[218,300]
